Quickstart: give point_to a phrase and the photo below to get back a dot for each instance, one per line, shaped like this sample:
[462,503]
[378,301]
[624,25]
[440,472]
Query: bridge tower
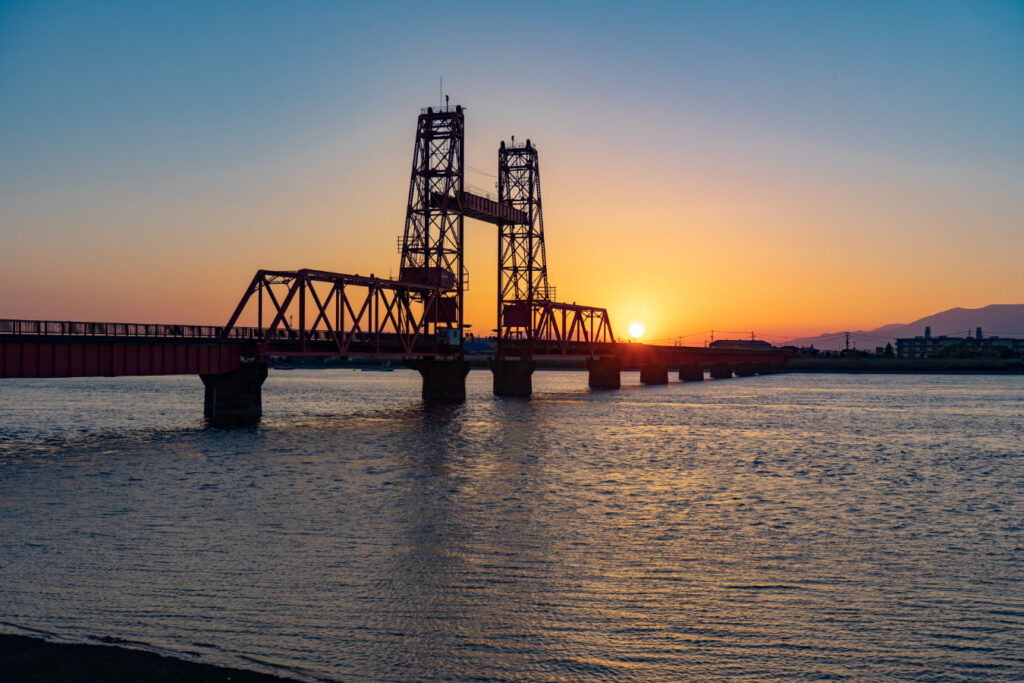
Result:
[530,321]
[432,243]
[522,269]
[432,251]
[522,260]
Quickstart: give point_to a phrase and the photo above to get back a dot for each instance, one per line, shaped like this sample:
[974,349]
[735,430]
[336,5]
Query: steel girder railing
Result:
[353,314]
[67,328]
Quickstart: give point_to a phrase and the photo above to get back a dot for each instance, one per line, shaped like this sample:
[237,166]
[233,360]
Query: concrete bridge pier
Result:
[692,372]
[744,369]
[721,371]
[654,373]
[444,381]
[235,398]
[604,372]
[513,376]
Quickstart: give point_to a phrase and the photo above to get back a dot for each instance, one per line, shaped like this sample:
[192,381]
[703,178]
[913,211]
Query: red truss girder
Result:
[562,329]
[345,315]
[70,356]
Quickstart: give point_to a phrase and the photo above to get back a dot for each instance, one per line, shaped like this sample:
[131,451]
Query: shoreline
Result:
[962,366]
[32,659]
[968,366]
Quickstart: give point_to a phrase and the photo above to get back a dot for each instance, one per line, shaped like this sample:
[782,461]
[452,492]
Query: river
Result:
[785,527]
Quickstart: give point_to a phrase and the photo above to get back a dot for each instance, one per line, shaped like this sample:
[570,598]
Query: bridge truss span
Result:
[557,329]
[318,313]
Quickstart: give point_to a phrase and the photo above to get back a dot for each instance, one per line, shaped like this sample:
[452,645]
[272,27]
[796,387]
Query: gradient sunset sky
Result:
[787,168]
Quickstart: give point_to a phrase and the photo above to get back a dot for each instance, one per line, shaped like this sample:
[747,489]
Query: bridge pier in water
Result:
[693,372]
[744,369]
[444,381]
[721,371]
[604,372]
[654,373]
[235,398]
[513,376]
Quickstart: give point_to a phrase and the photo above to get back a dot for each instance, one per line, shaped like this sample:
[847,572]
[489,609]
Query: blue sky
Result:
[144,138]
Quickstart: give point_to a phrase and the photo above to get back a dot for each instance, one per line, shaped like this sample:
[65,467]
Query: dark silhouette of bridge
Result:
[417,318]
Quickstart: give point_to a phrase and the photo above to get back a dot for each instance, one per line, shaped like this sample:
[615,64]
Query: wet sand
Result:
[31,660]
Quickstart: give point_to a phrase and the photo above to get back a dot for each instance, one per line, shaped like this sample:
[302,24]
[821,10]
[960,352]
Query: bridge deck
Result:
[39,348]
[44,348]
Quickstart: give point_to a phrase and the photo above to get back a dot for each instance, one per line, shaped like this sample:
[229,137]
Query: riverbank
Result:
[1000,366]
[995,366]
[33,660]
[873,364]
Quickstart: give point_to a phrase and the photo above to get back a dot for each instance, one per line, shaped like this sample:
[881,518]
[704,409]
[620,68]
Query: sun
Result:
[636,330]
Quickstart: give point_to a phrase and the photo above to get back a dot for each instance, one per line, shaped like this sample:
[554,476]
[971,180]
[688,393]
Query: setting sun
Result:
[636,330]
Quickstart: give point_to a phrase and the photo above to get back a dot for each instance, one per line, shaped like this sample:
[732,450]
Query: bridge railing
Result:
[69,328]
[440,109]
[280,341]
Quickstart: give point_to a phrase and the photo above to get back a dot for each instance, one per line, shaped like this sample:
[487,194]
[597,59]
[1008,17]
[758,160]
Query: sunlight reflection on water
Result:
[786,527]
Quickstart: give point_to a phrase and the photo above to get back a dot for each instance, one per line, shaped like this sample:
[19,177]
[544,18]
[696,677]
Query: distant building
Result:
[978,345]
[480,345]
[740,344]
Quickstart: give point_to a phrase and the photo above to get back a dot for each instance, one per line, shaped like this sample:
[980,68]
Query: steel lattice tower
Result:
[432,243]
[522,261]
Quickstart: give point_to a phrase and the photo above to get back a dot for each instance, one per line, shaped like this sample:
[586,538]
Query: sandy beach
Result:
[31,660]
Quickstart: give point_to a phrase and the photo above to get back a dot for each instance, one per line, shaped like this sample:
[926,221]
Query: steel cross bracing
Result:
[522,261]
[316,313]
[432,244]
[558,329]
[421,313]
[529,320]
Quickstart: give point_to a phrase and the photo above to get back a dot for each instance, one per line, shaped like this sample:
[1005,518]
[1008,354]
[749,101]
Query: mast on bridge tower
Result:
[432,244]
[522,261]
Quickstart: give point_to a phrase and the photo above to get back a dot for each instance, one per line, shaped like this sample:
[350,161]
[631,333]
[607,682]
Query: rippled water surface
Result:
[785,527]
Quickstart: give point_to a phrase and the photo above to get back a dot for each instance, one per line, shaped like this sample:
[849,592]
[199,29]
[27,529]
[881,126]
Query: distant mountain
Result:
[996,320]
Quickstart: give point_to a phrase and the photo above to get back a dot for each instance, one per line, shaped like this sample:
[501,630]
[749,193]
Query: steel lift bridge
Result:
[417,318]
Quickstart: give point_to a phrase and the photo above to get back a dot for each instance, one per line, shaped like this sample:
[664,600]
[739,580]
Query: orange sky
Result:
[800,171]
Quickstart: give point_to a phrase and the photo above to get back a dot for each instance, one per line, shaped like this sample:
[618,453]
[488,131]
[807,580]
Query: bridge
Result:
[417,318]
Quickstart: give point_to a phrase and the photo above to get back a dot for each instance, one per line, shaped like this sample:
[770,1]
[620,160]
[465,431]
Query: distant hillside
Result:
[1003,320]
